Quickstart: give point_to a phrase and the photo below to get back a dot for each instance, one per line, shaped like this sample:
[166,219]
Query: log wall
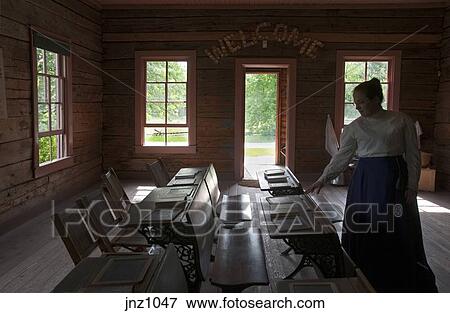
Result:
[442,123]
[81,23]
[126,31]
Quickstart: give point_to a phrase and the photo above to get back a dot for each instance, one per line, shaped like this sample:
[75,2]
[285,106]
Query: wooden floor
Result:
[33,259]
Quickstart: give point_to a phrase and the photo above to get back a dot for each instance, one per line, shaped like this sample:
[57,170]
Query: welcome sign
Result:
[264,32]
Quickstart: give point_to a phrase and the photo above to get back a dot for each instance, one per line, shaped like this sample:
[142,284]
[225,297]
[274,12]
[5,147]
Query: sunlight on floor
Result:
[142,192]
[430,207]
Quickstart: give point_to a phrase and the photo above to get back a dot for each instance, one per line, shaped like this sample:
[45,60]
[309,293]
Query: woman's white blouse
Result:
[386,133]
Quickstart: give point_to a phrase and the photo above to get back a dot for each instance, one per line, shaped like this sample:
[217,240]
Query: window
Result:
[52,109]
[165,101]
[354,67]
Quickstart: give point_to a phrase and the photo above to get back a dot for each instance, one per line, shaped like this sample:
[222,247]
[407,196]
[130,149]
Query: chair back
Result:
[159,173]
[74,232]
[201,219]
[101,219]
[118,208]
[115,188]
[212,183]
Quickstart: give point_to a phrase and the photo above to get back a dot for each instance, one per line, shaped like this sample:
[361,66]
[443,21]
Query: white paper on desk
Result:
[283,199]
[183,181]
[187,171]
[279,185]
[178,192]
[185,175]
[273,172]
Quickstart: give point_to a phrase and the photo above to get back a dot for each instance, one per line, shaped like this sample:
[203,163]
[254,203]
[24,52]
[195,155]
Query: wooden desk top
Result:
[105,274]
[164,205]
[346,284]
[290,183]
[188,176]
[161,206]
[293,216]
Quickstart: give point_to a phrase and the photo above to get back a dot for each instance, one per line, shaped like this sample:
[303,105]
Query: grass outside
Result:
[161,139]
[258,152]
[258,138]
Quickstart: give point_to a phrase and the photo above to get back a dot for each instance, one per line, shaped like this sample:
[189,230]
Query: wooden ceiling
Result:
[221,3]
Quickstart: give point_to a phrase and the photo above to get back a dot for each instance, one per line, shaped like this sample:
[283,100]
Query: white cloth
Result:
[385,133]
[331,142]
[419,133]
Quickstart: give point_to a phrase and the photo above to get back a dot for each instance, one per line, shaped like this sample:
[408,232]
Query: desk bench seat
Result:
[240,260]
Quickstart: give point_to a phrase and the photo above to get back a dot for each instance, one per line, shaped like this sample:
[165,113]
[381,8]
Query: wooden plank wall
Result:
[442,126]
[126,31]
[80,22]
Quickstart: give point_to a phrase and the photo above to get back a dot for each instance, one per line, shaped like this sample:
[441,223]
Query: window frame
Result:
[393,58]
[141,57]
[67,160]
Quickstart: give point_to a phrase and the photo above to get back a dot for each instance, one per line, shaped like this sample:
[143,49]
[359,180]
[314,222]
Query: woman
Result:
[381,230]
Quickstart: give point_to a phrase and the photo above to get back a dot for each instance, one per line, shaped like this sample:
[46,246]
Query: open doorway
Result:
[283,71]
[261,124]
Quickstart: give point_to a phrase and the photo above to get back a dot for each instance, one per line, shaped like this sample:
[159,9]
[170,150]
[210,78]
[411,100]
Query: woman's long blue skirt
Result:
[381,234]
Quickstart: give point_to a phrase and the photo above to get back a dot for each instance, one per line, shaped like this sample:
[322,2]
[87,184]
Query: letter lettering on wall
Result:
[230,44]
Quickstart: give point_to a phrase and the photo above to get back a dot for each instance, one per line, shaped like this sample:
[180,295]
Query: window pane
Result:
[43,117]
[42,88]
[51,62]
[44,150]
[155,113]
[156,92]
[176,92]
[385,95]
[56,116]
[154,136]
[354,71]
[40,60]
[156,71]
[350,113]
[177,136]
[54,148]
[349,92]
[54,89]
[177,71]
[176,113]
[378,70]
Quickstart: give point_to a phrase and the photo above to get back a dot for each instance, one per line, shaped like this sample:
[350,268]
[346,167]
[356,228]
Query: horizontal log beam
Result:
[325,37]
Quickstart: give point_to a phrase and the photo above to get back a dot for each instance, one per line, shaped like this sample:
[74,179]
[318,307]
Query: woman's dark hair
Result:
[371,88]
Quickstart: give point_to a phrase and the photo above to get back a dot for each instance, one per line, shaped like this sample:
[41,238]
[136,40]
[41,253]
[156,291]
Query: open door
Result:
[264,115]
[262,120]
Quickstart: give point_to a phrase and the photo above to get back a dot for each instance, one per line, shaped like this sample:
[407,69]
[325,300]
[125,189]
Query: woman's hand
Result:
[316,187]
[410,196]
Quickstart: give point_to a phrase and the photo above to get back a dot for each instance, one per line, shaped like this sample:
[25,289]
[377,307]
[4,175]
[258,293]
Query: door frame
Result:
[241,65]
